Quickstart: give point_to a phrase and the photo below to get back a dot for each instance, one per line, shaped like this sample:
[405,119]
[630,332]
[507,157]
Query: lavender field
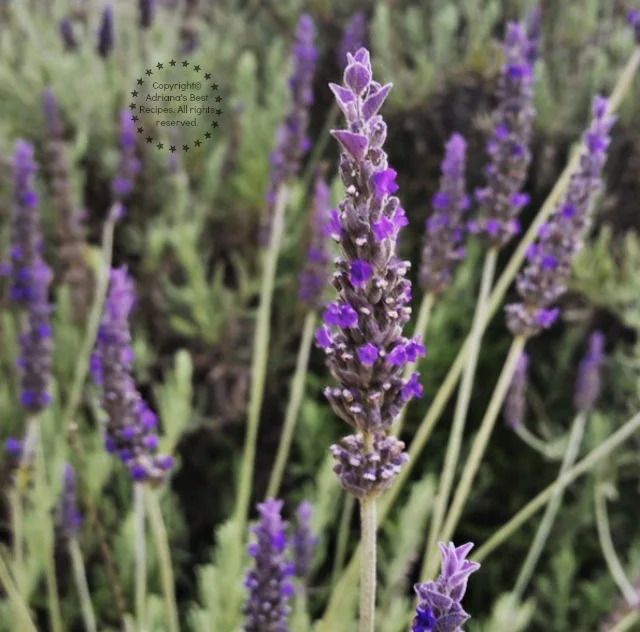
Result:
[319,316]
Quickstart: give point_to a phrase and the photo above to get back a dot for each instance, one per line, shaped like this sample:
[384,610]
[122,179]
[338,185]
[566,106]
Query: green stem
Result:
[582,467]
[343,537]
[497,295]
[608,549]
[420,330]
[368,565]
[626,624]
[18,536]
[260,358]
[164,558]
[542,535]
[20,607]
[482,438]
[295,399]
[534,442]
[140,555]
[80,577]
[46,530]
[430,561]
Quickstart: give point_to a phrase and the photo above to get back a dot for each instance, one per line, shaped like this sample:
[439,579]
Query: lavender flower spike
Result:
[439,602]
[291,137]
[266,608]
[70,518]
[548,267]
[353,37]
[501,200]
[515,402]
[315,275]
[129,165]
[30,279]
[69,40]
[362,336]
[131,426]
[444,229]
[145,8]
[106,34]
[303,542]
[589,378]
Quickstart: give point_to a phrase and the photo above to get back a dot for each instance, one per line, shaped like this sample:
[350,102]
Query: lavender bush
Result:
[355,220]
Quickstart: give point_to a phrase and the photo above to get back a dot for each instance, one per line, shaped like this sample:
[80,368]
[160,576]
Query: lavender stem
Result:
[80,577]
[164,557]
[430,561]
[260,358]
[542,534]
[18,603]
[368,507]
[18,536]
[482,438]
[140,555]
[293,407]
[608,549]
[343,538]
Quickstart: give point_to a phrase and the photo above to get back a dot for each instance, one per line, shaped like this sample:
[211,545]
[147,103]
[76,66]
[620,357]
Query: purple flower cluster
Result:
[266,608]
[501,200]
[145,8]
[515,401]
[70,518]
[548,267]
[353,37]
[362,336]
[633,17]
[129,165]
[303,542]
[106,34]
[67,35]
[439,602]
[314,277]
[30,279]
[131,426]
[588,383]
[445,228]
[291,137]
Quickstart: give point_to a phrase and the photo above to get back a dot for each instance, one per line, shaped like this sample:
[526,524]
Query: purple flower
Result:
[128,166]
[145,8]
[267,604]
[291,137]
[303,542]
[13,446]
[353,37]
[539,284]
[439,602]
[515,402]
[70,518]
[130,422]
[508,149]
[106,34]
[69,41]
[371,281]
[314,277]
[445,230]
[30,279]
[587,388]
[633,18]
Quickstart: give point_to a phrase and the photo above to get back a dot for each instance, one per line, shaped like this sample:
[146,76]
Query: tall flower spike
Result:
[315,275]
[362,336]
[589,374]
[145,8]
[303,542]
[501,200]
[291,137]
[70,518]
[515,402]
[353,37]
[67,35]
[445,229]
[131,426]
[548,266]
[106,34]
[129,165]
[266,608]
[439,602]
[30,279]
[633,17]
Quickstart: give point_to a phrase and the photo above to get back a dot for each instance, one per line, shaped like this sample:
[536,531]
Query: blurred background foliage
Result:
[190,240]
